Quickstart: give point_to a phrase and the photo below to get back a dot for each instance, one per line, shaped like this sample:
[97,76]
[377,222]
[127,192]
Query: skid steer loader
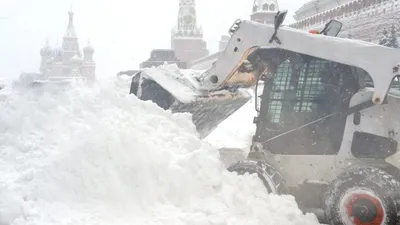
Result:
[327,127]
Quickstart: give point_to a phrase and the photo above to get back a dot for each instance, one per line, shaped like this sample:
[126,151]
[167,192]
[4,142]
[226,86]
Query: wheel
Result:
[271,177]
[362,196]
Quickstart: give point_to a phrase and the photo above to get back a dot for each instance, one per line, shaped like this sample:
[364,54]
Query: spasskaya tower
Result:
[187,38]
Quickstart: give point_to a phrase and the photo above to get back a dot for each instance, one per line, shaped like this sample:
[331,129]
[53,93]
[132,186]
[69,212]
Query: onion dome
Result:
[46,50]
[88,49]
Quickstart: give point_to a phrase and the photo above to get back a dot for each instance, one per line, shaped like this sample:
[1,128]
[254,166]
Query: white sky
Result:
[123,32]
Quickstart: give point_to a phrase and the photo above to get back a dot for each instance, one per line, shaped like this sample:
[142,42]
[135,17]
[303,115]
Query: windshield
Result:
[306,89]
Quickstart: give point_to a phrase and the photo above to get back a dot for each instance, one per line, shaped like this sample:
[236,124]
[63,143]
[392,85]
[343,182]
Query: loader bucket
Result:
[209,111]
[178,95]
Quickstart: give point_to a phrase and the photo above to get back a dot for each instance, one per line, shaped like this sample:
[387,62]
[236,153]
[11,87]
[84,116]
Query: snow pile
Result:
[237,130]
[96,155]
[180,82]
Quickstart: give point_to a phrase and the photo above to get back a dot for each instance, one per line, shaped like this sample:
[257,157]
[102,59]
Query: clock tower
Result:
[187,38]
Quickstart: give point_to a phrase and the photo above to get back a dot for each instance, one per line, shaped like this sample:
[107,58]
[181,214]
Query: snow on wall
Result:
[363,19]
[316,6]
[96,155]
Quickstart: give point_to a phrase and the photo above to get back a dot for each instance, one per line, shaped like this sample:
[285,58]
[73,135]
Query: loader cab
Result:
[302,104]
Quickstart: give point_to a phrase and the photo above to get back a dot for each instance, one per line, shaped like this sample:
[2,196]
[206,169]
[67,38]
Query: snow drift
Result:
[96,155]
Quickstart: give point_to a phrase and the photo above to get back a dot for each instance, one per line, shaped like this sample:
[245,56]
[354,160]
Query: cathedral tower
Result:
[70,43]
[187,38]
[264,11]
[46,54]
[88,66]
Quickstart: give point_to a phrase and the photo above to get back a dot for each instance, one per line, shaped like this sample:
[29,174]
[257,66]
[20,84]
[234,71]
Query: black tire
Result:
[361,196]
[271,177]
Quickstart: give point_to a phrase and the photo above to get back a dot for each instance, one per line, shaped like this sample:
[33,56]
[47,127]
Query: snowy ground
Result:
[96,155]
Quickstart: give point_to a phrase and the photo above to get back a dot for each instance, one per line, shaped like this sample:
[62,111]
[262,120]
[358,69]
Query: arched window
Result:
[272,7]
[265,7]
[254,8]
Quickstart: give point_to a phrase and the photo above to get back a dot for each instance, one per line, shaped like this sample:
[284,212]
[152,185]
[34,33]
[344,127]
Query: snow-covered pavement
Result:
[96,155]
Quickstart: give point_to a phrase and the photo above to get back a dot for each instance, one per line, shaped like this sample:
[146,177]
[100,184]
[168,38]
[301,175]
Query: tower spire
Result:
[70,43]
[70,33]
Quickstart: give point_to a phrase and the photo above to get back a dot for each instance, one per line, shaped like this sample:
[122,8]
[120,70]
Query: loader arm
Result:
[251,53]
[380,62]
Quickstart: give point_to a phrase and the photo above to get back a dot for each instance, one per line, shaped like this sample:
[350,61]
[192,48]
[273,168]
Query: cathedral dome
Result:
[58,52]
[46,50]
[88,49]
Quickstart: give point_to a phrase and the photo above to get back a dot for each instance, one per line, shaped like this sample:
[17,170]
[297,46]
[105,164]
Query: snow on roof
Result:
[75,59]
[317,6]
